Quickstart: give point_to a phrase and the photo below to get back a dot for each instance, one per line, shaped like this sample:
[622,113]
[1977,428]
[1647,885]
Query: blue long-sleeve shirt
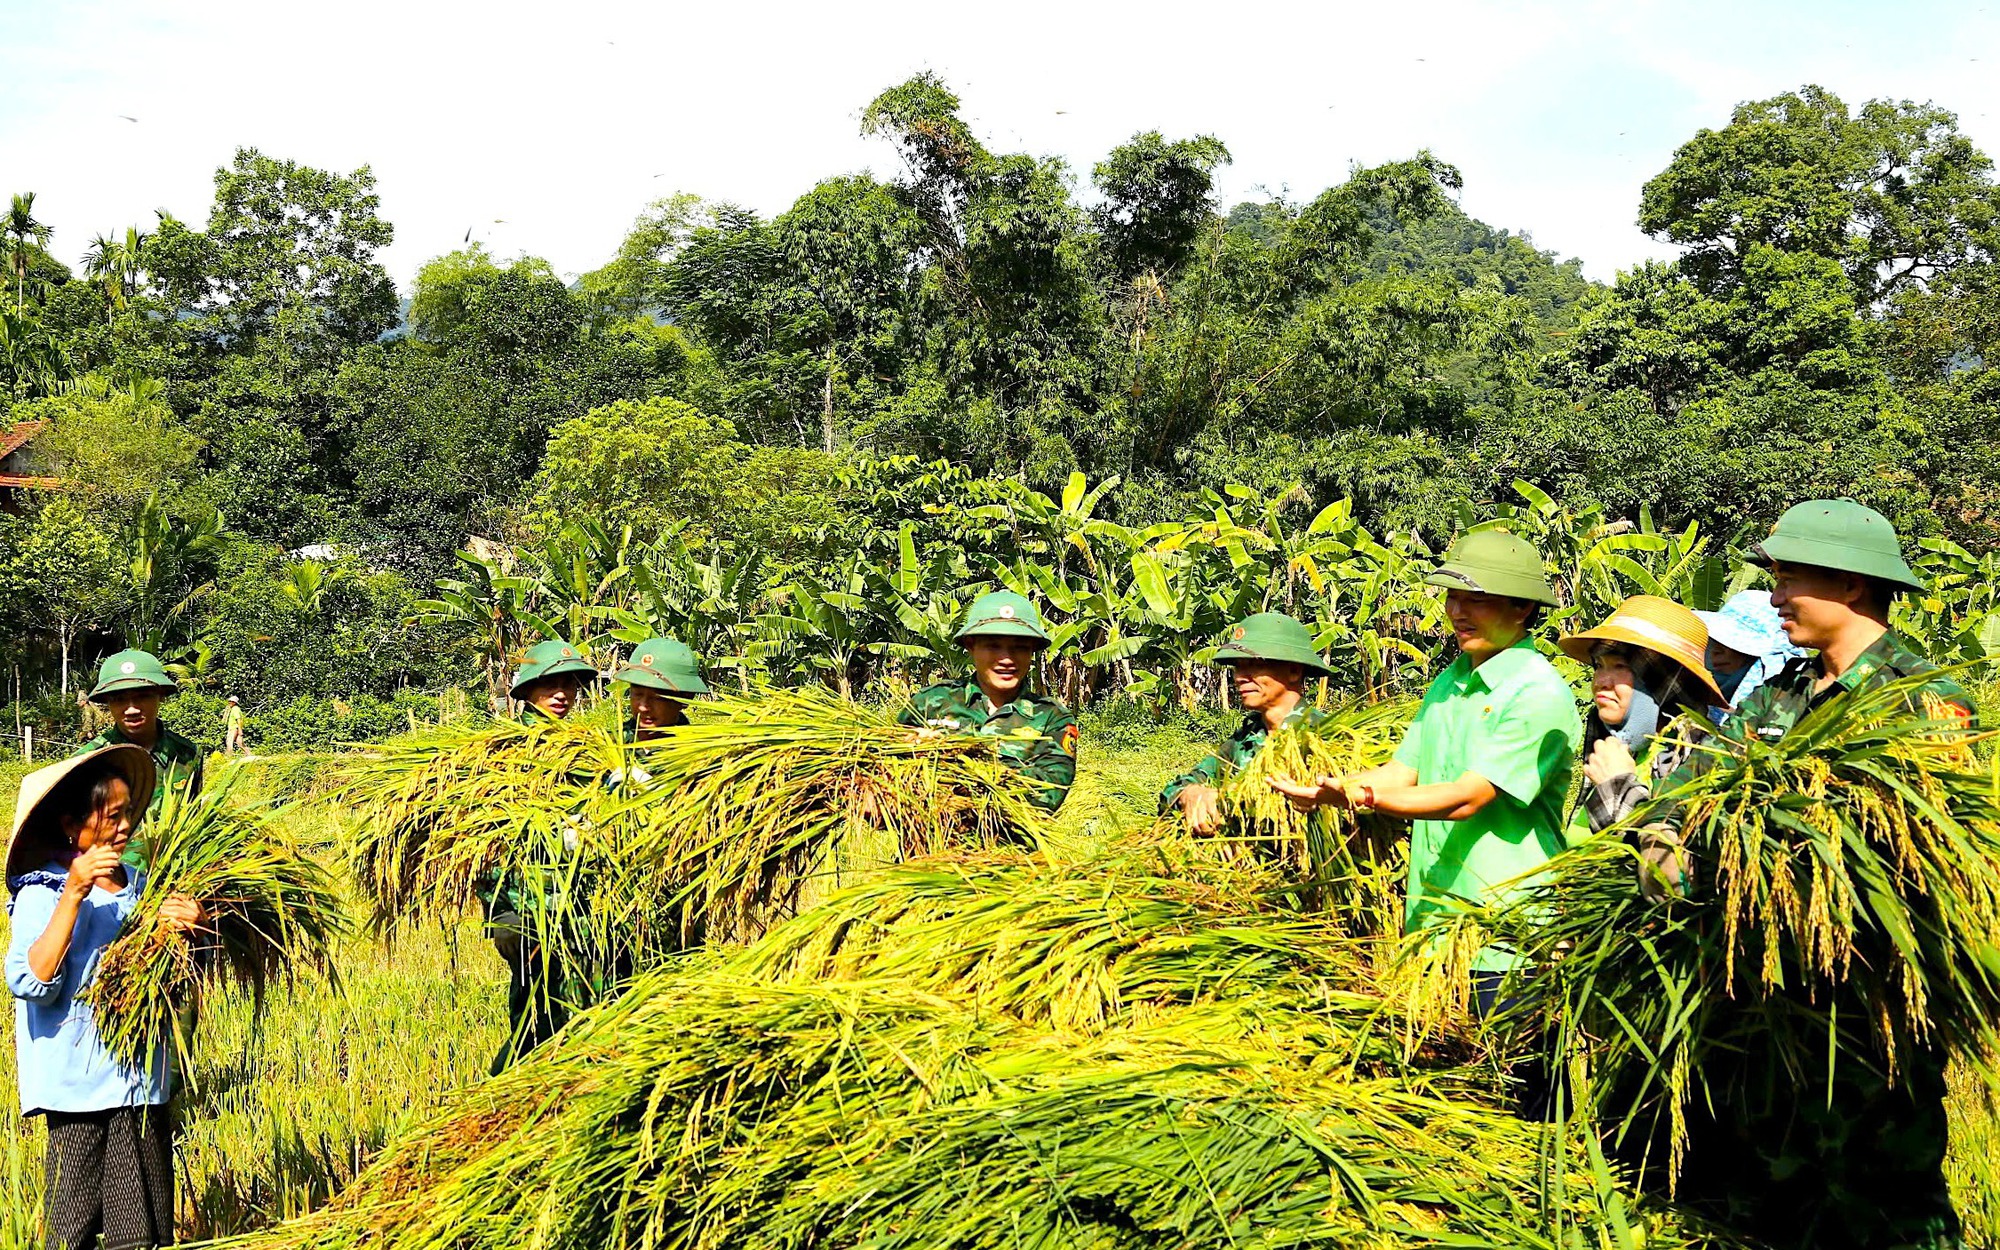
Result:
[61,1061]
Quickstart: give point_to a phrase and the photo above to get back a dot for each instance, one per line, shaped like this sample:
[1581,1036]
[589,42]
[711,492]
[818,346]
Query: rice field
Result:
[289,1106]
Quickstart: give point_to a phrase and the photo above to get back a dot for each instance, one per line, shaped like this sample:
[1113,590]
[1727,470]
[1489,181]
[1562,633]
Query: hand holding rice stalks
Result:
[1351,864]
[271,910]
[1846,911]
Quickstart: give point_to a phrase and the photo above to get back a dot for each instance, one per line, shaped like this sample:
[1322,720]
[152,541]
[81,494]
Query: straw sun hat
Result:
[1660,626]
[33,814]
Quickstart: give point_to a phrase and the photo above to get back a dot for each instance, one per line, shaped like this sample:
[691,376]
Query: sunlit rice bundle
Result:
[772,800]
[891,1073]
[1845,909]
[272,910]
[1353,861]
[441,812]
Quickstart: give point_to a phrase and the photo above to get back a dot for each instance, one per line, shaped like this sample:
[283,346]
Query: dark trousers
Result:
[1536,1088]
[110,1172]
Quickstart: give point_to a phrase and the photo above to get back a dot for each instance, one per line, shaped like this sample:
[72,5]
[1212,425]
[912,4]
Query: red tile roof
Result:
[18,437]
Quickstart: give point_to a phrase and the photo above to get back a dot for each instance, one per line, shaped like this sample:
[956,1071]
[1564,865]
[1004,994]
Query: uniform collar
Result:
[976,698]
[1502,669]
[1887,652]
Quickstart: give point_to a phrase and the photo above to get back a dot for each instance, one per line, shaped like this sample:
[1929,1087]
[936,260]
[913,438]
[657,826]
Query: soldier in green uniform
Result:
[1270,657]
[1002,634]
[130,686]
[659,679]
[552,678]
[1859,1165]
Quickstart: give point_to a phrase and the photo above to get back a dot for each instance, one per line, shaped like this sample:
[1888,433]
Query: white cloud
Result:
[546,129]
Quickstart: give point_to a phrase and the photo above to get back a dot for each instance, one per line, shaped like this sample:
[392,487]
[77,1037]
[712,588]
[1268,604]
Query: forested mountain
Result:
[1825,331]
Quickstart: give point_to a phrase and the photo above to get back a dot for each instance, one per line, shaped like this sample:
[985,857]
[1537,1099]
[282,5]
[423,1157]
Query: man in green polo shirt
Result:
[1483,771]
[1270,657]
[1002,635]
[1855,1162]
[130,687]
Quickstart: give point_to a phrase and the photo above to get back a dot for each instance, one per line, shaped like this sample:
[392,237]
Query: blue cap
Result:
[1748,623]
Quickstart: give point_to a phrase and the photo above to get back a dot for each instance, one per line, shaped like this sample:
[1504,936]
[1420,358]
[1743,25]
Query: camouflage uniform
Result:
[1237,750]
[177,760]
[1038,736]
[1859,1166]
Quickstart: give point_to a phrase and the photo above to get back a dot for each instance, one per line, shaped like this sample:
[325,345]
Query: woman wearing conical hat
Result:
[1648,670]
[110,1153]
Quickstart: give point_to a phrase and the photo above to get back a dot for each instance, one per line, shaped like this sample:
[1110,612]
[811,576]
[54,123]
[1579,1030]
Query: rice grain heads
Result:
[272,910]
[1845,915]
[994,1052]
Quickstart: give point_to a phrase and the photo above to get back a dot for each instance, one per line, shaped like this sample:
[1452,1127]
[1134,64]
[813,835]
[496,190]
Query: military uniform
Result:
[1269,636]
[541,992]
[177,762]
[1038,736]
[1858,1165]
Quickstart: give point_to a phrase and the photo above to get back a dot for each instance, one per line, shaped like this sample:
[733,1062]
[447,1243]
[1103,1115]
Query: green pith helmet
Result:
[1271,636]
[1494,562]
[1838,534]
[664,664]
[131,670]
[1002,614]
[550,659]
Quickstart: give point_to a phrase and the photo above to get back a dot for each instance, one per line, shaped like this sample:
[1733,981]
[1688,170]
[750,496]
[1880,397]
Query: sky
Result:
[545,129]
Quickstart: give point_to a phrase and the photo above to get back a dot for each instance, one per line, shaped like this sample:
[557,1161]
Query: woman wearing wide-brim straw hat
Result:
[109,1161]
[1649,668]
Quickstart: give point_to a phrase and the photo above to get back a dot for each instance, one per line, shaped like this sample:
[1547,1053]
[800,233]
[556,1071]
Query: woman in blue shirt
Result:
[110,1142]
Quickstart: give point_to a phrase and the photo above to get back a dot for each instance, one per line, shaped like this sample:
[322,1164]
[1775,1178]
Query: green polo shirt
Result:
[1514,722]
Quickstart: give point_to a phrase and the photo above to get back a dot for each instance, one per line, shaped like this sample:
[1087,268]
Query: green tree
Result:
[26,235]
[1158,197]
[62,573]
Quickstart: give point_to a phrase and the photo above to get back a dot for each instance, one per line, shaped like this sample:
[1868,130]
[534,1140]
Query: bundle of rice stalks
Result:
[782,797]
[1845,911]
[1351,864]
[914,1076]
[709,832]
[272,909]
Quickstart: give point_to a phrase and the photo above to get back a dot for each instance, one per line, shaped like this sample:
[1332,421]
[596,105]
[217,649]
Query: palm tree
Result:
[115,265]
[23,233]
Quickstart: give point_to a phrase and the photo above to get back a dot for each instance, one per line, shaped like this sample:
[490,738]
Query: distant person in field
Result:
[1747,647]
[659,679]
[109,1163]
[1270,657]
[232,728]
[552,678]
[1648,663]
[1002,635]
[130,688]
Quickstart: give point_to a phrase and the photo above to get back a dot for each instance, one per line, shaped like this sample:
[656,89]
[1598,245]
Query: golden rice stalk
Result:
[903,1068]
[272,909]
[1844,917]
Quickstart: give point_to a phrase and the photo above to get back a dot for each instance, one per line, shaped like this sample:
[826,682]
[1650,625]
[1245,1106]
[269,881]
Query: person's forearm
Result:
[45,957]
[1450,800]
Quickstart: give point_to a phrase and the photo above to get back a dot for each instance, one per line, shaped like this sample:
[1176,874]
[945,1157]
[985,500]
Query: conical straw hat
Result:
[126,757]
[1657,625]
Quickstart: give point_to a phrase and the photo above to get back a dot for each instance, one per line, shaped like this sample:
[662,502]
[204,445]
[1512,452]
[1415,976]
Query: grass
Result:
[292,1104]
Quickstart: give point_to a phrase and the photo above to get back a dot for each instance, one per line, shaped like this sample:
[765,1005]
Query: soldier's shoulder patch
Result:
[1071,737]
